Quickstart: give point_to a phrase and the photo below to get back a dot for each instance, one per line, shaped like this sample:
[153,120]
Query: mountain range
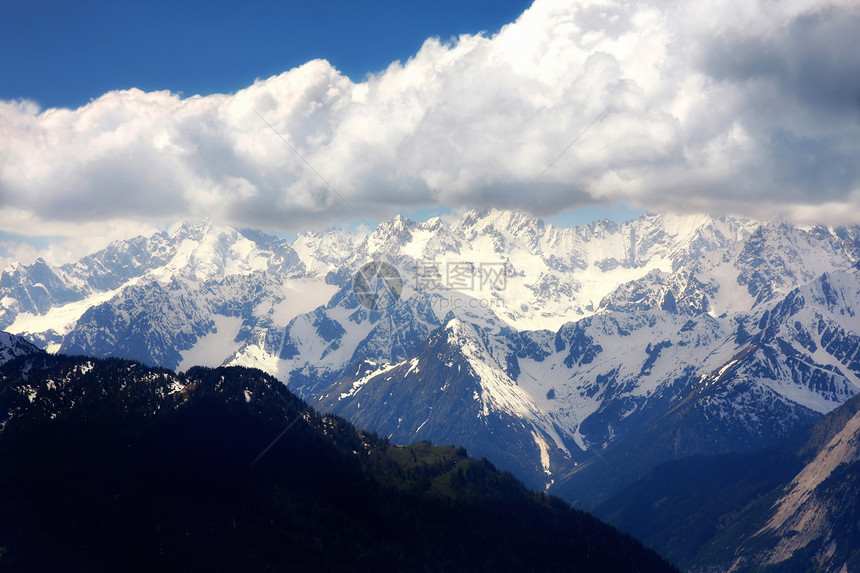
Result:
[578,358]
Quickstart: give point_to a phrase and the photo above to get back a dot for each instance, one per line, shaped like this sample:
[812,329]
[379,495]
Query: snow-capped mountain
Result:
[529,343]
[167,286]
[459,386]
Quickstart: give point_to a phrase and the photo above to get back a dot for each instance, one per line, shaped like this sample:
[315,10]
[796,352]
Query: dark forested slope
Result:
[110,465]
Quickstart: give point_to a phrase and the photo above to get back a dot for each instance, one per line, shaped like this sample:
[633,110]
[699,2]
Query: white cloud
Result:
[29,237]
[743,106]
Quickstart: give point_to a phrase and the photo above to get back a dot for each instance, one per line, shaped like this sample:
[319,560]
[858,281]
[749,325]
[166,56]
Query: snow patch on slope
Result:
[301,296]
[212,349]
[60,319]
[356,386]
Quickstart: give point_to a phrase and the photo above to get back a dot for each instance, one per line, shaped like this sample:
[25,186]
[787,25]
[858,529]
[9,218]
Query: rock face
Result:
[792,506]
[537,346]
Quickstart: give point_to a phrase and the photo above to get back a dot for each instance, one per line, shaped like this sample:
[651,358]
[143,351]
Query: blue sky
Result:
[66,52]
[118,118]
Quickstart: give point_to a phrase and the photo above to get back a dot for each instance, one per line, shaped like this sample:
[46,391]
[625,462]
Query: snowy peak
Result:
[12,347]
[402,241]
[389,237]
[716,230]
[696,235]
[781,256]
[326,251]
[203,251]
[510,224]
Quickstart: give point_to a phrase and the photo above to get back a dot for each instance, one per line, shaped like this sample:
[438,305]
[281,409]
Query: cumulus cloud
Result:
[743,106]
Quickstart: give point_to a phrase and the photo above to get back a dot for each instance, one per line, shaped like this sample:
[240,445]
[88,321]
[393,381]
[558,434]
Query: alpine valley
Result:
[577,358]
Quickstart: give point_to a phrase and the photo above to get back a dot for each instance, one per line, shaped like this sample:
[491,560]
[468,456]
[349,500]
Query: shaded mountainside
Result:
[792,507]
[111,465]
